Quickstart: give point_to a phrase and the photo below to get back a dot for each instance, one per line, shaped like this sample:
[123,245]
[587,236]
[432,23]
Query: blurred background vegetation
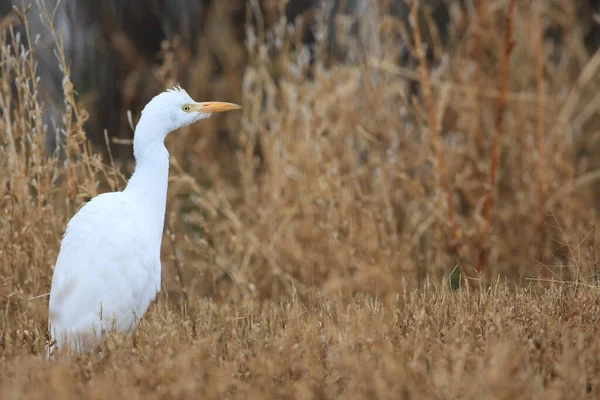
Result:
[123,53]
[116,49]
[338,82]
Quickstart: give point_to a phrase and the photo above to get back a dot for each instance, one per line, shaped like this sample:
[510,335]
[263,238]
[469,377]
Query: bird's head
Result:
[175,108]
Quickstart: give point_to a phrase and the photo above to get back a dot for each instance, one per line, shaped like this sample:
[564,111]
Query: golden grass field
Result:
[341,237]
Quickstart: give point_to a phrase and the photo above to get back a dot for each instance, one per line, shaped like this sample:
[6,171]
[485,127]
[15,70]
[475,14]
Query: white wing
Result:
[106,274]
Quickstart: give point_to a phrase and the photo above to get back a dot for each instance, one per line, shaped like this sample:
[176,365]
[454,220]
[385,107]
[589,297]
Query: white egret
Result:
[108,269]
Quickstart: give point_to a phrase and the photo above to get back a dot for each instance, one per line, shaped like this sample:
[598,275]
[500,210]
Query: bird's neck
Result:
[149,182]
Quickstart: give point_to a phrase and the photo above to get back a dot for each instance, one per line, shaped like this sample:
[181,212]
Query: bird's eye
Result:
[186,108]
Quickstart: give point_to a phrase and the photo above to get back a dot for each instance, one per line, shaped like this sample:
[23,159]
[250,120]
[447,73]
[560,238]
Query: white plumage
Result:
[108,270]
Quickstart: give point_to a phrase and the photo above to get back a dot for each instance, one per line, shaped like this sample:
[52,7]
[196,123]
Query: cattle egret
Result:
[108,269]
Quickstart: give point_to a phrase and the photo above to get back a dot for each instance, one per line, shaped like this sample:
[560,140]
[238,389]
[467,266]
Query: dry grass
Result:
[421,344]
[325,225]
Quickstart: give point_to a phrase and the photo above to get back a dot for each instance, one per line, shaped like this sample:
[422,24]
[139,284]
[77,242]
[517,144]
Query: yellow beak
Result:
[214,106]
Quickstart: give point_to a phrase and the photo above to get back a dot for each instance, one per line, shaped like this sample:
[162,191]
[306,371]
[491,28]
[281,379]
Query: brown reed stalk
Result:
[494,157]
[478,54]
[177,261]
[434,127]
[539,75]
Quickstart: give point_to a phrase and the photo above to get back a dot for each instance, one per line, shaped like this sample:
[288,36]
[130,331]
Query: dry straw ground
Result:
[318,257]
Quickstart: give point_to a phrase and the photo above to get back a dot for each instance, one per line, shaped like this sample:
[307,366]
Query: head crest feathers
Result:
[177,89]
